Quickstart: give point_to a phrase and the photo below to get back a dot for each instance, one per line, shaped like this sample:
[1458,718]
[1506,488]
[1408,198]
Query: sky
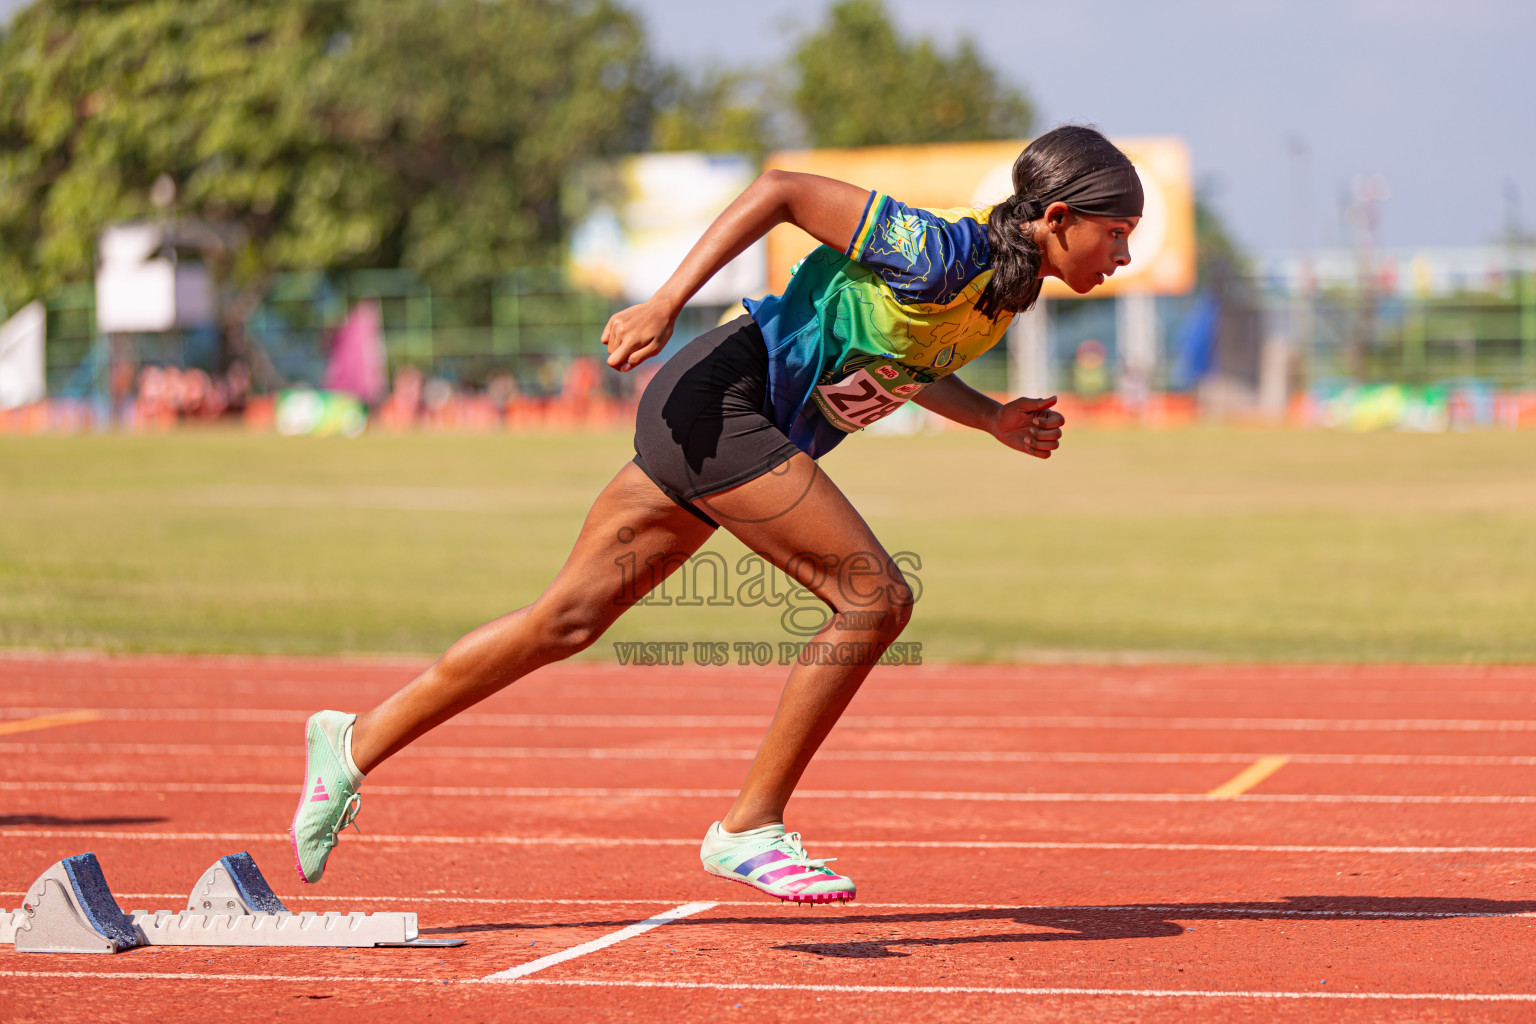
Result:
[1438,98]
[1435,96]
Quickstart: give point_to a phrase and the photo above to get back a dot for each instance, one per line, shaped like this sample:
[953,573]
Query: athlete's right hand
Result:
[635,334]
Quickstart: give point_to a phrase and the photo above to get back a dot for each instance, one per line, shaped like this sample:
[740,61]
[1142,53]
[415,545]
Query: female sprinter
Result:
[885,310]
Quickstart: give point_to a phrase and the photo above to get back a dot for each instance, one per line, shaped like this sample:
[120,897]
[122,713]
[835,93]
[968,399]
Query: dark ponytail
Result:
[1041,175]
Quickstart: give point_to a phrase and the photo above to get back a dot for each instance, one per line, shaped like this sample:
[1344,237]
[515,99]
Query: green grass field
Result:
[1184,545]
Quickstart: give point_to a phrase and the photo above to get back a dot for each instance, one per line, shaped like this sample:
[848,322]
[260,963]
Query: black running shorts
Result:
[702,425]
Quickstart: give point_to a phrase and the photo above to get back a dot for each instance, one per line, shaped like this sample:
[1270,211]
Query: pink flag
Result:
[357,355]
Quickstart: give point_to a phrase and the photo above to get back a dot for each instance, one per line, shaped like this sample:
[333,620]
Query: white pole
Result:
[1029,352]
[1274,376]
[1136,334]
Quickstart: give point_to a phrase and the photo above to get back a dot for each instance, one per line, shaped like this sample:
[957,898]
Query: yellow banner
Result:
[944,175]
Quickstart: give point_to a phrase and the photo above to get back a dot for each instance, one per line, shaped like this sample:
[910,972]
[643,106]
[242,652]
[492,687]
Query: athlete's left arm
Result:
[1029,425]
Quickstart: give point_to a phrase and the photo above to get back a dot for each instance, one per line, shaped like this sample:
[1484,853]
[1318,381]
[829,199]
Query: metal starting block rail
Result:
[71,909]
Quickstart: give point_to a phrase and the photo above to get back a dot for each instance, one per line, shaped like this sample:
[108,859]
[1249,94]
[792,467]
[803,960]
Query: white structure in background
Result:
[641,215]
[22,339]
[1274,375]
[1401,272]
[1136,338]
[139,289]
[1029,352]
[1029,349]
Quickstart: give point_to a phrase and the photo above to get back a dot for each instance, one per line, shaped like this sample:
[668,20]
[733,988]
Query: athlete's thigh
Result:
[633,537]
[798,518]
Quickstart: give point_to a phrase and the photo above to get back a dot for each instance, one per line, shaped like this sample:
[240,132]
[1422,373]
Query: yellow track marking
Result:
[1249,777]
[49,721]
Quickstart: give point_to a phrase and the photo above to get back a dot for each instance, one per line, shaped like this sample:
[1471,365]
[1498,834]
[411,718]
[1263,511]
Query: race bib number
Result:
[866,395]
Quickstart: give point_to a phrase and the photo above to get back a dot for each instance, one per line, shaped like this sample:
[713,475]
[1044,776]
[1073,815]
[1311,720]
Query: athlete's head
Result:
[1076,199]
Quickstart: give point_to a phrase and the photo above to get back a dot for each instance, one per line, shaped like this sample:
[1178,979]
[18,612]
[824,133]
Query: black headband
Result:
[1107,192]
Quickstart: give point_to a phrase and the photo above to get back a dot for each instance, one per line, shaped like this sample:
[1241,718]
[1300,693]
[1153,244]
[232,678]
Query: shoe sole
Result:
[297,863]
[804,897]
[293,826]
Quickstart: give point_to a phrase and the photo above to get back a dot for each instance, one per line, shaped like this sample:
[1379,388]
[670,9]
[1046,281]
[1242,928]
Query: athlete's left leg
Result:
[799,519]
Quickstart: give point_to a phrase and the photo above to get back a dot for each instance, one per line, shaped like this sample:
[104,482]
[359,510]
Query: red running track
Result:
[1030,843]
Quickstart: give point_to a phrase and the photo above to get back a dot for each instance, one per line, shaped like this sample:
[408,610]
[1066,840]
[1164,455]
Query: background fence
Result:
[532,324]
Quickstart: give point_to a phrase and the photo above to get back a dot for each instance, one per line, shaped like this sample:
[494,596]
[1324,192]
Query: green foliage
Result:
[860,84]
[430,134]
[1219,259]
[718,111]
[427,134]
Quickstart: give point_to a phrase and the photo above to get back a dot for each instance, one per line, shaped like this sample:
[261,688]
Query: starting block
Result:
[71,909]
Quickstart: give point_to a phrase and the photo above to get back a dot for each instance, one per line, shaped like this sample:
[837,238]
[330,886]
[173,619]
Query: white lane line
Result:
[746,754]
[190,976]
[1131,993]
[851,722]
[938,990]
[533,966]
[611,793]
[875,844]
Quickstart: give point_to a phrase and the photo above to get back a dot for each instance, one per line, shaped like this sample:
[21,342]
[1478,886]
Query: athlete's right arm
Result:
[826,209]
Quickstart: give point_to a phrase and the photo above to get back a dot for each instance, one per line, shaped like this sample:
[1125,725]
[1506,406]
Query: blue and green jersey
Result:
[857,333]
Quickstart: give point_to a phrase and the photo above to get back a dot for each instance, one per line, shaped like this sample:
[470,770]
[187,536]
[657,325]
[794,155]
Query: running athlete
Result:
[728,432]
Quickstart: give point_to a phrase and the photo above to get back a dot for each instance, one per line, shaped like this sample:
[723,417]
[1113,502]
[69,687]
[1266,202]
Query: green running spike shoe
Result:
[329,800]
[773,862]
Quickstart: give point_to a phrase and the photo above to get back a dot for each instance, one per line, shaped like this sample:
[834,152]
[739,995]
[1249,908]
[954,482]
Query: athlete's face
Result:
[1083,250]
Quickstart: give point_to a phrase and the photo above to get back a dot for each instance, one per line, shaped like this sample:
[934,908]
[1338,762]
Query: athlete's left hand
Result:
[1029,425]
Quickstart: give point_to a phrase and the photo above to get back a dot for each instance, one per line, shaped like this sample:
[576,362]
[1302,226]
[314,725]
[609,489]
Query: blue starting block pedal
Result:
[71,909]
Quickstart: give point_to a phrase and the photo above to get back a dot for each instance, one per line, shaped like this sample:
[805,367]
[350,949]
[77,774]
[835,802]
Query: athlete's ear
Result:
[1057,216]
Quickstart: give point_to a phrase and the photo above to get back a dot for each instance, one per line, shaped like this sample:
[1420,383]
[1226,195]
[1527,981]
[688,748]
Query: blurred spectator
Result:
[400,409]
[501,389]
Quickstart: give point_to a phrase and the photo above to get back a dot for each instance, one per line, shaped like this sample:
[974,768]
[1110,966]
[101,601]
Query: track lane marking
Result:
[417,839]
[940,796]
[612,938]
[1184,723]
[1133,993]
[1249,777]
[289,752]
[1129,993]
[49,721]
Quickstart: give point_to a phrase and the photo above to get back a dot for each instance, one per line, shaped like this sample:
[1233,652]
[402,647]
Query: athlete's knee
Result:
[884,615]
[870,582]
[901,608]
[897,611]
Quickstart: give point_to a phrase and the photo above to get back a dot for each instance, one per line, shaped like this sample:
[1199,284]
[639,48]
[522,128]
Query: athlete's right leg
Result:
[631,517]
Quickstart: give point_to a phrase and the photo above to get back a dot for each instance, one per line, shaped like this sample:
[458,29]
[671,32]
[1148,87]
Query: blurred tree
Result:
[1223,280]
[1221,264]
[860,84]
[718,111]
[429,134]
